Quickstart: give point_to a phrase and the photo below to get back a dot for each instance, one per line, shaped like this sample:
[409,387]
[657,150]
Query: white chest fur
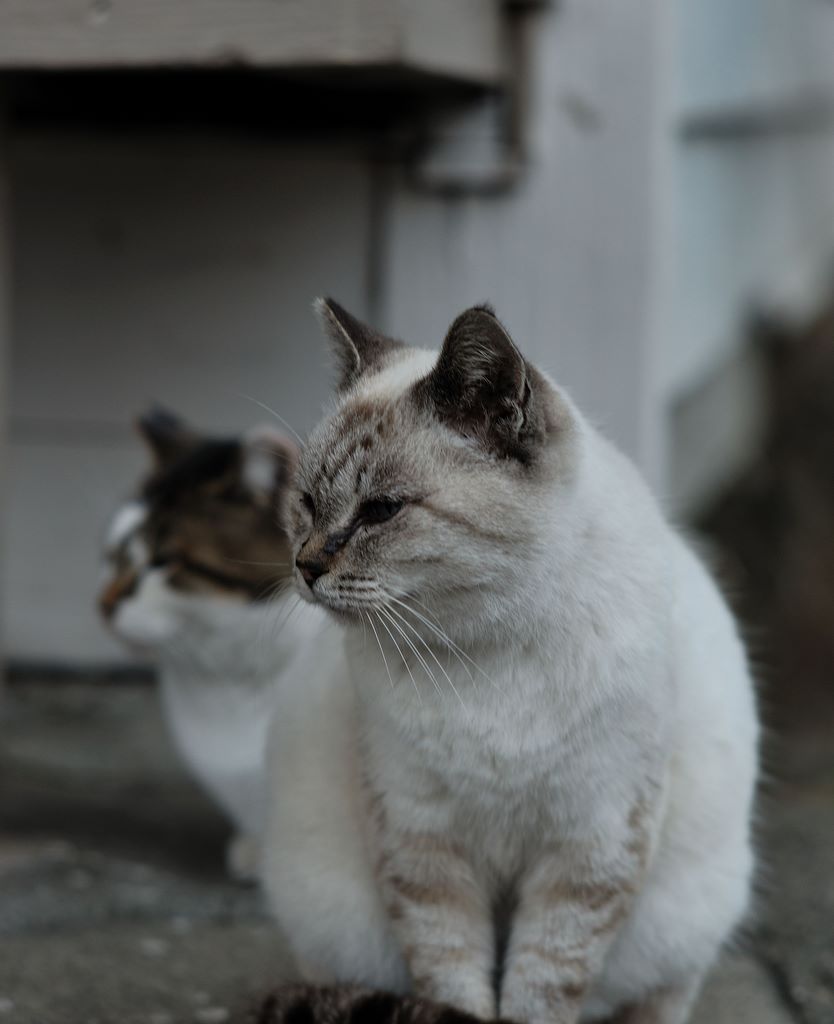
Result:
[221,664]
[623,675]
[219,726]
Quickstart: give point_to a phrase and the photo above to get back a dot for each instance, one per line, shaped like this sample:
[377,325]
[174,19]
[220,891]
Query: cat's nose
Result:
[311,571]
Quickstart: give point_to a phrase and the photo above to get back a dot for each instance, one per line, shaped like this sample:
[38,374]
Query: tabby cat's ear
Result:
[357,347]
[165,434]
[269,461]
[482,387]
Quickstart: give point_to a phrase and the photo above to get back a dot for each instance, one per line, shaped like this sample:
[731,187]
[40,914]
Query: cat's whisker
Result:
[269,596]
[277,416]
[274,585]
[463,655]
[399,651]
[423,605]
[459,652]
[444,639]
[387,613]
[381,651]
[423,641]
[273,590]
[292,605]
[278,625]
[266,623]
[267,450]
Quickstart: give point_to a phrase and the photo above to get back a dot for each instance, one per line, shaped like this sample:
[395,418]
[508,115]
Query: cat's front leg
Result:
[570,905]
[441,915]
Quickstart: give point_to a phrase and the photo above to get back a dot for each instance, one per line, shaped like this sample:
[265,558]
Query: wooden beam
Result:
[458,39]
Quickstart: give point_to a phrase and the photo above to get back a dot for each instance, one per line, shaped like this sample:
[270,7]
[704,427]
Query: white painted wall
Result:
[749,199]
[174,271]
[753,209]
[566,255]
[742,53]
[184,272]
[623,260]
[755,223]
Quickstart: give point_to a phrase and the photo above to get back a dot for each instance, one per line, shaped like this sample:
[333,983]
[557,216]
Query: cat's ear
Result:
[482,387]
[269,461]
[166,435]
[357,347]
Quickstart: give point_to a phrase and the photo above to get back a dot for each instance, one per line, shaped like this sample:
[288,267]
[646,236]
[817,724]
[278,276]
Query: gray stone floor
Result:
[114,906]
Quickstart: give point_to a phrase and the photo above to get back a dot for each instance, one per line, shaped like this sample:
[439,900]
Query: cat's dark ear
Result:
[166,435]
[357,347]
[269,461]
[483,388]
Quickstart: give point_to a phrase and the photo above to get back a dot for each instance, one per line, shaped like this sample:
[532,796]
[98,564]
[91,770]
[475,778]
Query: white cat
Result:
[193,565]
[530,794]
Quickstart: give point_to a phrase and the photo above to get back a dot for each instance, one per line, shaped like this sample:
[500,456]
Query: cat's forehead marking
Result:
[366,419]
[362,412]
[126,522]
[353,434]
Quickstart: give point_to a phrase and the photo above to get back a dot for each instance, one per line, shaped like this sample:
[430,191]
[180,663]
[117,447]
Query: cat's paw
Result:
[350,1004]
[315,1004]
[243,859]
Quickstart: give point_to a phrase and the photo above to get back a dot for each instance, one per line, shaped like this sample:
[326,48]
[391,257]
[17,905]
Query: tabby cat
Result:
[196,562]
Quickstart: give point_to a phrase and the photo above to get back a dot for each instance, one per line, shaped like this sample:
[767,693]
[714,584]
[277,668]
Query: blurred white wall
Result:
[566,254]
[681,166]
[748,214]
[154,271]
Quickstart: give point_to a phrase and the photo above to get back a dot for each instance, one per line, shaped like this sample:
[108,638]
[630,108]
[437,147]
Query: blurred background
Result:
[645,191]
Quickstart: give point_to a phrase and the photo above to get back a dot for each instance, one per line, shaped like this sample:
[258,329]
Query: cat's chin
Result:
[346,614]
[338,609]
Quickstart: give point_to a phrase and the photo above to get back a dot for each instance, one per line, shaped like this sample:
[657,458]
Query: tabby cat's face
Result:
[202,536]
[427,482]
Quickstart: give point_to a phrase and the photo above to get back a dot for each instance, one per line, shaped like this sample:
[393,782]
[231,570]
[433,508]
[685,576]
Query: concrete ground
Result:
[115,909]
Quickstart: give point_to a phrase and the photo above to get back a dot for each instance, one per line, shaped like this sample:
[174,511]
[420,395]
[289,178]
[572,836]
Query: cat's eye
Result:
[378,510]
[309,504]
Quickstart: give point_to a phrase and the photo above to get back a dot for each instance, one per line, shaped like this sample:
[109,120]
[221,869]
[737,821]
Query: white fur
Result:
[328,903]
[125,522]
[394,379]
[614,667]
[220,661]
